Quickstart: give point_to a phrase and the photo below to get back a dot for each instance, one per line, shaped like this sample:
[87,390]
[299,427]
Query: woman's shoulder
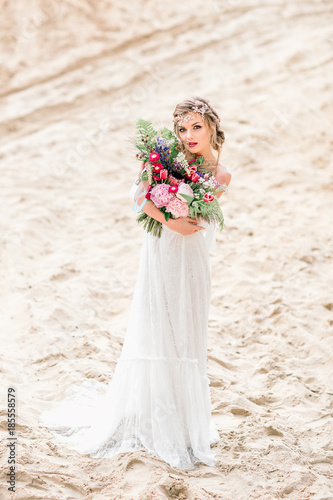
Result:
[222,174]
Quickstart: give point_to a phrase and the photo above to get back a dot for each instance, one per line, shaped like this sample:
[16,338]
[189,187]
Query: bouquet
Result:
[177,187]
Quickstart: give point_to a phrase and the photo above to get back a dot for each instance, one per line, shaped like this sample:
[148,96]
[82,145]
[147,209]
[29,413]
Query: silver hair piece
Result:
[194,109]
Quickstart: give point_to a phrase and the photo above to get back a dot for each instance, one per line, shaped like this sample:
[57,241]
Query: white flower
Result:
[180,157]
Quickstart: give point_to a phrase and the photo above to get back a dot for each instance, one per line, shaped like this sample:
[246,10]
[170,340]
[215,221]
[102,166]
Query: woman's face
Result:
[195,134]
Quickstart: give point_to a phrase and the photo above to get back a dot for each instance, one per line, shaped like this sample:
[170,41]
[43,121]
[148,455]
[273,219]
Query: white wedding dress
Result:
[159,397]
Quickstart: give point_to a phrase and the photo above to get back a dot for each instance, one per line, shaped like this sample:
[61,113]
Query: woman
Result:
[159,398]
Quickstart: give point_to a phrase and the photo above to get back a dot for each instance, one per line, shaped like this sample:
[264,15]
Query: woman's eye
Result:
[184,129]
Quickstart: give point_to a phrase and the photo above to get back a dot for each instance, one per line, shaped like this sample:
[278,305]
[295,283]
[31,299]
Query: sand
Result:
[75,76]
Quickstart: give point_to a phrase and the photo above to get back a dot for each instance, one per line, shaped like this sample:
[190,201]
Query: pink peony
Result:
[184,188]
[178,208]
[160,195]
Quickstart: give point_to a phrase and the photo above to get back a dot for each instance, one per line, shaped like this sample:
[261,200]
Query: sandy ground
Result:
[75,75]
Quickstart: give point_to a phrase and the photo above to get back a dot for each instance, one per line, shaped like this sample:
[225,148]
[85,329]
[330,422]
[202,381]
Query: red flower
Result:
[173,189]
[148,193]
[195,177]
[163,174]
[157,167]
[156,177]
[192,169]
[153,157]
[208,197]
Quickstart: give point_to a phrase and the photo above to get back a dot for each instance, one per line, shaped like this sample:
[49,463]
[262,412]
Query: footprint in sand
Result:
[174,488]
[239,412]
[271,431]
[135,471]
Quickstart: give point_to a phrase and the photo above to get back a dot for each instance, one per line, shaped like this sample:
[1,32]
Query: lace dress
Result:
[159,397]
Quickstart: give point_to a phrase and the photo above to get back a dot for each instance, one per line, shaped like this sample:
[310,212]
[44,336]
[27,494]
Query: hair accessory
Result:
[195,109]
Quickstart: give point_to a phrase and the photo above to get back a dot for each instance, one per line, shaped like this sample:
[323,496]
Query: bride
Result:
[159,397]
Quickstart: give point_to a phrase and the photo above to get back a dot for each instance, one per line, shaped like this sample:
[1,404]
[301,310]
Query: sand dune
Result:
[75,77]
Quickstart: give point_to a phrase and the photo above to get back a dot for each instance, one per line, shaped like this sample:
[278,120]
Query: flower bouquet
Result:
[177,187]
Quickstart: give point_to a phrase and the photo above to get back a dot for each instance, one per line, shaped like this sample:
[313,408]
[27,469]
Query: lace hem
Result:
[163,408]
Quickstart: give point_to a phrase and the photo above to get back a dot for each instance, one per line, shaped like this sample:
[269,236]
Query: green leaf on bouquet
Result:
[187,198]
[167,215]
[144,128]
[199,160]
[144,176]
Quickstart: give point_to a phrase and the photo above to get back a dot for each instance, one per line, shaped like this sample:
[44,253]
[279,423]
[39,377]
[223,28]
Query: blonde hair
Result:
[210,117]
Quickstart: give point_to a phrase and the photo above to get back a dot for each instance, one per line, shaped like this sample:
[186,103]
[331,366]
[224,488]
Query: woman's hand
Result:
[184,225]
[144,183]
[142,166]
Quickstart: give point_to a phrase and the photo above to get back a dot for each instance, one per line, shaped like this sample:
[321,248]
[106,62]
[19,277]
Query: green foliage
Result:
[187,198]
[199,160]
[167,216]
[143,176]
[145,130]
[168,134]
[149,224]
[211,212]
